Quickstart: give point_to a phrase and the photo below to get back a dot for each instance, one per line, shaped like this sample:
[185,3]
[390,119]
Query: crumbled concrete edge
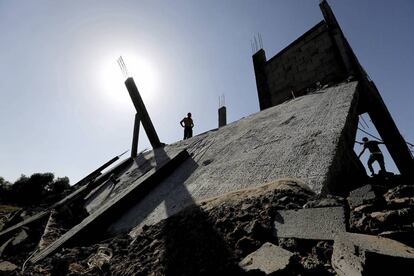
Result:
[284,184]
[360,254]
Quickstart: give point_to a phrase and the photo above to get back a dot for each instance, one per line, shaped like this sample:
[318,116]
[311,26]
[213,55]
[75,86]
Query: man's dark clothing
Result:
[188,124]
[188,132]
[372,146]
[376,155]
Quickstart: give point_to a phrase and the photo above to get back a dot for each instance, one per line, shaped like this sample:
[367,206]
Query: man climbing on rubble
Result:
[187,124]
[376,154]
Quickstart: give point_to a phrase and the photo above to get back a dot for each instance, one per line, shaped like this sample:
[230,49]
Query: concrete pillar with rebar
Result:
[135,135]
[142,113]
[222,116]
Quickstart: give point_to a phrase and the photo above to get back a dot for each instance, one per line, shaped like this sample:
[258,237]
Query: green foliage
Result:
[59,185]
[39,188]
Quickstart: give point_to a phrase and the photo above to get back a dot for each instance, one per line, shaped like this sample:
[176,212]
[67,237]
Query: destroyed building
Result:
[290,165]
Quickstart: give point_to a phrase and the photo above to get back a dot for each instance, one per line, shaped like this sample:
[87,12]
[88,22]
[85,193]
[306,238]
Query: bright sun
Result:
[112,81]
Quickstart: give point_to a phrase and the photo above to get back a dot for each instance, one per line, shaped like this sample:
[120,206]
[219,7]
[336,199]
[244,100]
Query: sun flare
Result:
[112,80]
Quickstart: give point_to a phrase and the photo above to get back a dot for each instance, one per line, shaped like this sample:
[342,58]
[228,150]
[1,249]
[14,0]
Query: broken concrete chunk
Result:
[359,254]
[21,237]
[327,201]
[102,257]
[311,223]
[399,217]
[269,258]
[6,266]
[360,196]
[400,202]
[365,208]
[400,191]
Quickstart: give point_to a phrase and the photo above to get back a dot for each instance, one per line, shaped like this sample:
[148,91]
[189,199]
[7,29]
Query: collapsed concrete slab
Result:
[359,254]
[311,223]
[268,259]
[306,138]
[102,217]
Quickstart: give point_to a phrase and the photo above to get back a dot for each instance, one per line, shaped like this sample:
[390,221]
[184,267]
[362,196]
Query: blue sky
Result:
[63,105]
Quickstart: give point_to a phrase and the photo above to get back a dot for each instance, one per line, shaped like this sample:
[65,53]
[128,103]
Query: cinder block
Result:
[359,254]
[312,223]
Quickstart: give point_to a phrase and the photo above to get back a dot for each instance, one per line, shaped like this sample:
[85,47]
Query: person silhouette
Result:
[188,124]
[376,154]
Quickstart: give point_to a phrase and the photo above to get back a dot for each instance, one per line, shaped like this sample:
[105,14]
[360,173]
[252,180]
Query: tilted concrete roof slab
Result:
[306,138]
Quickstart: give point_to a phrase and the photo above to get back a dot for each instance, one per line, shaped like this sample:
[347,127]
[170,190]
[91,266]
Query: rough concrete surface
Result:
[311,223]
[99,219]
[269,258]
[296,139]
[362,195]
[359,254]
[110,189]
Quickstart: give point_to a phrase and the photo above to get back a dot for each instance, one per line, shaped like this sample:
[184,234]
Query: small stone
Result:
[6,266]
[380,216]
[400,192]
[153,244]
[328,201]
[312,265]
[364,208]
[288,244]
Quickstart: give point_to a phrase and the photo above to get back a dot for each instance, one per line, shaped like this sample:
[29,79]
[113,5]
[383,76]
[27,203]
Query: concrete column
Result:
[259,63]
[142,113]
[222,116]
[342,46]
[134,147]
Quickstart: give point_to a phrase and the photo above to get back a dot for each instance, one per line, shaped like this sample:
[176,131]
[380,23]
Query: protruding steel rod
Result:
[142,113]
[134,148]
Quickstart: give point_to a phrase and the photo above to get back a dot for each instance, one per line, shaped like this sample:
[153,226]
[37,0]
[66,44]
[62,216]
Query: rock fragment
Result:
[6,266]
[268,259]
[20,238]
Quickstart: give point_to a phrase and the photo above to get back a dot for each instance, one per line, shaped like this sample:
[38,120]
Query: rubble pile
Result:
[252,232]
[389,214]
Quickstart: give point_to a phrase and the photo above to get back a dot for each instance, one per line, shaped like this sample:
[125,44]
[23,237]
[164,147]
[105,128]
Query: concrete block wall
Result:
[311,58]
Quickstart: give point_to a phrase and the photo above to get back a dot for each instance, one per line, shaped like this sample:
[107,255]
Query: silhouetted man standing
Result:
[376,154]
[187,124]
